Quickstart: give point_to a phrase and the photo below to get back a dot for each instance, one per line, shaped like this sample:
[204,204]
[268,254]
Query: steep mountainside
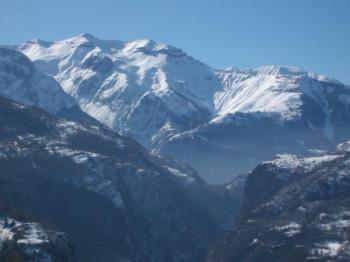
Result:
[115,200]
[174,104]
[21,81]
[295,209]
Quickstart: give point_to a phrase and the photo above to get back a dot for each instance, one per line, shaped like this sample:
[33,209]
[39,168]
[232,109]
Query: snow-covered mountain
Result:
[177,105]
[116,201]
[21,81]
[266,111]
[141,88]
[295,209]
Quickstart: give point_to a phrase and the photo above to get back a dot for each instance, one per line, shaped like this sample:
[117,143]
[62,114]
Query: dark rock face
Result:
[102,64]
[115,200]
[295,209]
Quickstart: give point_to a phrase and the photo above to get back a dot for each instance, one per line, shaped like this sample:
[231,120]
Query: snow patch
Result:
[288,161]
[328,248]
[290,229]
[178,173]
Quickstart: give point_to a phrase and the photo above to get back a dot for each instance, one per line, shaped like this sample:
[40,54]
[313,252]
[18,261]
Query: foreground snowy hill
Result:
[115,200]
[222,122]
[295,209]
[28,241]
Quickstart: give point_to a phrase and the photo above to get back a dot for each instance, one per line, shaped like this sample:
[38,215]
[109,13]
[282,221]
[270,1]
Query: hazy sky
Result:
[313,34]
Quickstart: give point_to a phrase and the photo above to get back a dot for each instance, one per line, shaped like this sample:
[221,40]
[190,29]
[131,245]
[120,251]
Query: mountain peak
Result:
[40,42]
[145,44]
[87,36]
[279,70]
[83,37]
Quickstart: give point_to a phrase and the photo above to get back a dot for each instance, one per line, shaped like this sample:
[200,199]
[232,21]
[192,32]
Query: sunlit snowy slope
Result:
[21,81]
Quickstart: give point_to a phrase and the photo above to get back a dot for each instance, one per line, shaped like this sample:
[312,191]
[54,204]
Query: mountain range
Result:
[221,122]
[98,139]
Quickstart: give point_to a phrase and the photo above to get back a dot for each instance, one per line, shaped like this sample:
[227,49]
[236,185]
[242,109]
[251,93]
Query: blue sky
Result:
[313,34]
